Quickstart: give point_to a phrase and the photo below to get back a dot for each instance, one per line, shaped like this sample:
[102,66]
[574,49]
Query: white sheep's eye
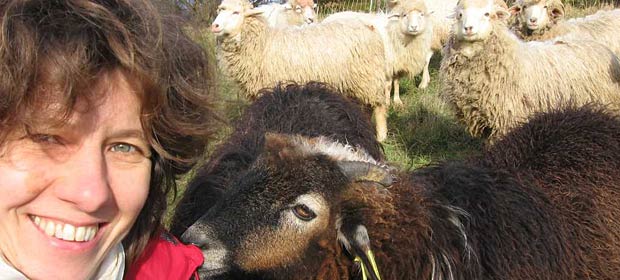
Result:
[544,7]
[460,15]
[487,15]
[235,13]
[303,212]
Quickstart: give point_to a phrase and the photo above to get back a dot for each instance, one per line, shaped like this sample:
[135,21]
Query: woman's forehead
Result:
[55,105]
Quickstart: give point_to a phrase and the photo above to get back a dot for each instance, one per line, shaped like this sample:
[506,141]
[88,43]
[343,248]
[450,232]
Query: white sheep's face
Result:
[413,22]
[305,13]
[230,17]
[535,15]
[308,13]
[474,19]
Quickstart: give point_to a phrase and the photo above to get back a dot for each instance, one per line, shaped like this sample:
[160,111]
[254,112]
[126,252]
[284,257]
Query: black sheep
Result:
[543,203]
[311,110]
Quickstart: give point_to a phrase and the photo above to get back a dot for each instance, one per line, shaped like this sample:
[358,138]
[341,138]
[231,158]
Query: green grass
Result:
[425,130]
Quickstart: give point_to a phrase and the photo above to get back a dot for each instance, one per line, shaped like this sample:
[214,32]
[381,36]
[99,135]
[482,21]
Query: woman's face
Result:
[69,194]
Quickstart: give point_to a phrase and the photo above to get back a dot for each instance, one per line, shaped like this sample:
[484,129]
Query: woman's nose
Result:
[85,181]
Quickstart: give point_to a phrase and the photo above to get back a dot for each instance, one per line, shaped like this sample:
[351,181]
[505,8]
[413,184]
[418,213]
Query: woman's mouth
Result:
[66,232]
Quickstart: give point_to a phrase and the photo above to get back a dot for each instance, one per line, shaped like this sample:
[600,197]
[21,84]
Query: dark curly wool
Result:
[311,110]
[573,157]
[543,203]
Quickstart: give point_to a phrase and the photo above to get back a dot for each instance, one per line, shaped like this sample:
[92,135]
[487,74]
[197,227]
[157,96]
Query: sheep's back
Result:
[496,90]
[349,57]
[572,155]
[602,27]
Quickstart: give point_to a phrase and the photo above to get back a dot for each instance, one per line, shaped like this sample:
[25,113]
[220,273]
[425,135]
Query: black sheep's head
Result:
[291,214]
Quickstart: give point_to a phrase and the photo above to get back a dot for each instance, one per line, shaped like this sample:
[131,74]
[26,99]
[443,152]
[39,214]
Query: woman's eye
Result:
[129,153]
[124,148]
[44,138]
[303,212]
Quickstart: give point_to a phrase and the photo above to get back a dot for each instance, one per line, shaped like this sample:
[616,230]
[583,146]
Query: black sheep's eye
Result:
[303,212]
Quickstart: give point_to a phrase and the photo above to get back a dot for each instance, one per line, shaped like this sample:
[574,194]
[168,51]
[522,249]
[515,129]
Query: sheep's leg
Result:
[380,113]
[386,91]
[396,97]
[426,77]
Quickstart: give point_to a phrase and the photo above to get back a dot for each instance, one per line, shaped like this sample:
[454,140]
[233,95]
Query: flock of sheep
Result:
[300,189]
[493,78]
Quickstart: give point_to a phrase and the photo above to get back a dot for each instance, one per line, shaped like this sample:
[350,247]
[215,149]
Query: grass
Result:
[425,130]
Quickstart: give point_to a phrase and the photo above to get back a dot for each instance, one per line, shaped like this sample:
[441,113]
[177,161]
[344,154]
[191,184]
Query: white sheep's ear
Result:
[502,14]
[253,12]
[392,3]
[357,243]
[393,15]
[556,13]
[514,10]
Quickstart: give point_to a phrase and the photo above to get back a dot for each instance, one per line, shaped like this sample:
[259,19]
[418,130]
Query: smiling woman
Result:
[102,105]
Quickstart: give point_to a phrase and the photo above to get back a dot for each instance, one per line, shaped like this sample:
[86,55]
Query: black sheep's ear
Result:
[358,171]
[356,241]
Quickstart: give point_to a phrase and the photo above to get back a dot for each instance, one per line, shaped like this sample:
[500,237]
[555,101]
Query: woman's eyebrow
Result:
[133,133]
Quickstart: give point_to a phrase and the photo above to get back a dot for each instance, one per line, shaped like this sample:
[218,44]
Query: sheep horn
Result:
[364,171]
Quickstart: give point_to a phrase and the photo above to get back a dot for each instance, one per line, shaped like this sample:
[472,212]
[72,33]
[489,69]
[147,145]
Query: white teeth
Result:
[50,228]
[79,233]
[66,231]
[58,233]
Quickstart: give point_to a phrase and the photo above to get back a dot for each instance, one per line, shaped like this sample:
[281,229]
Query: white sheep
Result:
[532,18]
[349,57]
[544,19]
[495,81]
[440,14]
[407,35]
[291,13]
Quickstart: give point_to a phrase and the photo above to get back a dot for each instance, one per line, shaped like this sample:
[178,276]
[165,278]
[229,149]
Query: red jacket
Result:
[166,258]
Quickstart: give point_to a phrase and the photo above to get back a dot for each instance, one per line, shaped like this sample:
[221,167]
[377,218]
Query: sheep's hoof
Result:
[398,103]
[381,138]
[423,85]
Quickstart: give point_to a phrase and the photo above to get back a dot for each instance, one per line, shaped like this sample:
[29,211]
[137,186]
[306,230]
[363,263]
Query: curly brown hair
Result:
[68,44]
